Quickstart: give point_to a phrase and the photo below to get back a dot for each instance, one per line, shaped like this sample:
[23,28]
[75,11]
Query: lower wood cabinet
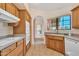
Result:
[60,46]
[55,43]
[24,47]
[52,44]
[16,49]
[9,49]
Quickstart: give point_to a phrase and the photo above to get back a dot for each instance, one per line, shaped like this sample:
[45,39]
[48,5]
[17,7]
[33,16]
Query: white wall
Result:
[5,29]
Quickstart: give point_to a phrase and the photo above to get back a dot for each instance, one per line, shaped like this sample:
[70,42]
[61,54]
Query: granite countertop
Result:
[10,39]
[72,36]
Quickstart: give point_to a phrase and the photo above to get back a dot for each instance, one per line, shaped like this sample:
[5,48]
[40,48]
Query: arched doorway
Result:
[38,30]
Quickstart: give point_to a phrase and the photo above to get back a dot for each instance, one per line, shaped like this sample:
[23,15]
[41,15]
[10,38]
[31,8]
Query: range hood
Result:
[7,17]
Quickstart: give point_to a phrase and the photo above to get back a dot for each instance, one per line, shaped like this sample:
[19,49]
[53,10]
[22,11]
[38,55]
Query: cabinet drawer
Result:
[8,49]
[20,42]
[17,51]
[56,37]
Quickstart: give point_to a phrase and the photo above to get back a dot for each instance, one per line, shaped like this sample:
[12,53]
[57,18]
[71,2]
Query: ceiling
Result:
[50,6]
[48,9]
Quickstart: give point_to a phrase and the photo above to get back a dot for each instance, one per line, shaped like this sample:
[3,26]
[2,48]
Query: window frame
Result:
[63,21]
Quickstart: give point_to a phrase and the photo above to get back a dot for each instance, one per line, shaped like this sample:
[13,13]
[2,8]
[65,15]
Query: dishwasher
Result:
[71,47]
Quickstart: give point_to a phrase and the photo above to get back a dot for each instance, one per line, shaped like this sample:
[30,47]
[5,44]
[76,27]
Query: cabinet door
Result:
[7,50]
[47,42]
[2,5]
[60,46]
[74,19]
[10,8]
[52,44]
[16,12]
[78,17]
[17,51]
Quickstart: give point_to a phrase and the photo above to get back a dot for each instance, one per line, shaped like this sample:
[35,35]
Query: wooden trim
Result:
[15,6]
[0,53]
[75,8]
[29,45]
[24,46]
[34,29]
[31,31]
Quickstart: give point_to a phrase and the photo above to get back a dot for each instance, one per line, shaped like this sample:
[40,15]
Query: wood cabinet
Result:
[20,29]
[7,50]
[60,46]
[27,16]
[16,12]
[55,42]
[3,5]
[10,8]
[52,44]
[24,47]
[16,49]
[75,17]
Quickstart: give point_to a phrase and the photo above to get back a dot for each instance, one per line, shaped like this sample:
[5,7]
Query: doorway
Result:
[38,30]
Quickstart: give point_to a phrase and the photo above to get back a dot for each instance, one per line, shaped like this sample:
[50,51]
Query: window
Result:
[52,24]
[65,23]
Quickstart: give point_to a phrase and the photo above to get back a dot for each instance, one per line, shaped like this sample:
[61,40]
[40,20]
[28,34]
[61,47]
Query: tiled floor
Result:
[41,50]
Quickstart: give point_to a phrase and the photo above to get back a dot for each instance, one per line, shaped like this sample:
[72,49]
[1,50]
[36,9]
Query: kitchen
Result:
[25,27]
[13,23]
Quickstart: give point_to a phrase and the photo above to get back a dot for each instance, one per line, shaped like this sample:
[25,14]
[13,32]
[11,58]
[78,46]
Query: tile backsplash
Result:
[5,29]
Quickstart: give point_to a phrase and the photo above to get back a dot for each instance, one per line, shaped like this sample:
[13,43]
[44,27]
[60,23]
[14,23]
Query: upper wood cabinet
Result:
[27,16]
[10,8]
[16,12]
[75,17]
[20,29]
[2,5]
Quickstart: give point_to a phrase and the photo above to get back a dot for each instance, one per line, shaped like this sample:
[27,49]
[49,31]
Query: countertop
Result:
[6,41]
[72,36]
